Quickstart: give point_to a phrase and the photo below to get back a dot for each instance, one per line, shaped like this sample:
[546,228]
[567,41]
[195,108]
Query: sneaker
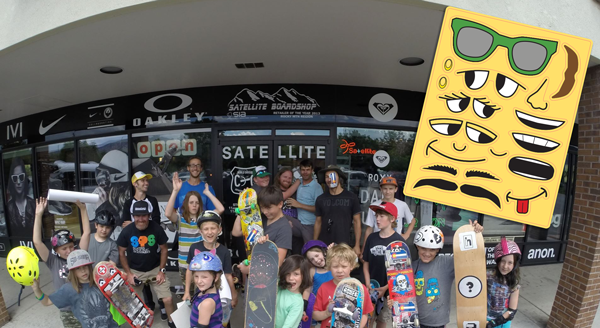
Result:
[163,312]
[172,324]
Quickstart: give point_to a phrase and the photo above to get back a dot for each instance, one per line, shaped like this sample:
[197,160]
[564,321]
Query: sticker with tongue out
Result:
[523,203]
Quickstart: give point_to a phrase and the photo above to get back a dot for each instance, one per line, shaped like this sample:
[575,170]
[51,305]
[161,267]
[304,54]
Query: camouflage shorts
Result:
[69,320]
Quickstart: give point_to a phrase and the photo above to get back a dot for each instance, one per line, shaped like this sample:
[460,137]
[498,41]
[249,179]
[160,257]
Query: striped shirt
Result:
[216,320]
[189,233]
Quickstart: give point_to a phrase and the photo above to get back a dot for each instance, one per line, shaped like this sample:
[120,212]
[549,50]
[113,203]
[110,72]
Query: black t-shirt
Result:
[126,216]
[142,246]
[374,253]
[336,212]
[222,253]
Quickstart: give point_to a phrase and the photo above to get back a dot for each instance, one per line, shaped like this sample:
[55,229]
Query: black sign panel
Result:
[540,253]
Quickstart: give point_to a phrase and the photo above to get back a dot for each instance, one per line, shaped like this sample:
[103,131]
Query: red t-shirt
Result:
[325,294]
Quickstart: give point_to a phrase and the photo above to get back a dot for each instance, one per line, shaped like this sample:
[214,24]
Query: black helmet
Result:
[62,237]
[106,214]
[209,216]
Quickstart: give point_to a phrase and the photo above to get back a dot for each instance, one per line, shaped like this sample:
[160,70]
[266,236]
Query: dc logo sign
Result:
[184,99]
[383,107]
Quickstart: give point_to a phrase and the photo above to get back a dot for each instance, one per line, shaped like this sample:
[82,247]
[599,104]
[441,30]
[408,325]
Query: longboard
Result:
[469,270]
[113,284]
[250,218]
[307,319]
[401,285]
[262,286]
[346,310]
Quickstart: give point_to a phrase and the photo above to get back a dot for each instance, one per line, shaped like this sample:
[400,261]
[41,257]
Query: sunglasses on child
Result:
[18,178]
[474,42]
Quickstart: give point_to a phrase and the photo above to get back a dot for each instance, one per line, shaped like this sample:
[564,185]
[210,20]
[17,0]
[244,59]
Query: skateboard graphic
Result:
[346,310]
[250,219]
[374,296]
[469,268]
[262,286]
[307,318]
[113,284]
[401,284]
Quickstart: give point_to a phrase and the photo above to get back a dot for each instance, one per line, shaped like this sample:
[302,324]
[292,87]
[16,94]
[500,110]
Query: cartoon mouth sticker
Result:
[538,123]
[531,168]
[383,108]
[523,203]
[534,144]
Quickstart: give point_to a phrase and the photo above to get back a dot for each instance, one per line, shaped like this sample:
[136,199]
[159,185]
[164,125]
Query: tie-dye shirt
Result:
[498,295]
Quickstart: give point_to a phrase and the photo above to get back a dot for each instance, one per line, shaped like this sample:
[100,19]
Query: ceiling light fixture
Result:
[111,70]
[411,61]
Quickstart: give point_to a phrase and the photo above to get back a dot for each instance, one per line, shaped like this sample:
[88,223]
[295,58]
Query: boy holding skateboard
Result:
[374,253]
[341,260]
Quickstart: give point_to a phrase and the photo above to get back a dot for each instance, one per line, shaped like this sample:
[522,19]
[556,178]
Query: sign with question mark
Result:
[470,286]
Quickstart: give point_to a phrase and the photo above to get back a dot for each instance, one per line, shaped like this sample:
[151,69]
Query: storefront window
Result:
[495,227]
[56,170]
[20,203]
[244,133]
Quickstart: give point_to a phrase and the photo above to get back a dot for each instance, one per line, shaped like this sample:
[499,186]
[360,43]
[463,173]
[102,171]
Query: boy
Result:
[63,243]
[374,253]
[102,248]
[341,259]
[389,187]
[210,228]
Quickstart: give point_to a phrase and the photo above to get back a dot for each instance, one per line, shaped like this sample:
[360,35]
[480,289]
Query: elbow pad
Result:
[511,314]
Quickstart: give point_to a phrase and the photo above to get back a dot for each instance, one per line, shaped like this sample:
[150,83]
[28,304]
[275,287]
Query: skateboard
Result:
[237,278]
[113,284]
[262,286]
[469,268]
[250,219]
[346,310]
[401,284]
[306,321]
[374,296]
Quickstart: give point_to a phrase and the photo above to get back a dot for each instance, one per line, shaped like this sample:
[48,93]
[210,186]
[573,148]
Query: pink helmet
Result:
[506,248]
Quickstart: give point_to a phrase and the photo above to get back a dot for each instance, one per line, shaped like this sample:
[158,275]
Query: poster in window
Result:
[20,205]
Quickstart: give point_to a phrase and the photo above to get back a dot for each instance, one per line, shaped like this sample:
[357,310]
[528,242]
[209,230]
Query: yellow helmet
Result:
[23,265]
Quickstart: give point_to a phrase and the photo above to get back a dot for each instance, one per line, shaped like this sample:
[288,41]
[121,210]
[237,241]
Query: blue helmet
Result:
[206,261]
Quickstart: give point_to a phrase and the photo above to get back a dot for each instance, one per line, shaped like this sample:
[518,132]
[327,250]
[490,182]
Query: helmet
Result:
[23,265]
[114,165]
[312,243]
[209,216]
[106,214]
[206,261]
[78,258]
[506,247]
[62,237]
[429,237]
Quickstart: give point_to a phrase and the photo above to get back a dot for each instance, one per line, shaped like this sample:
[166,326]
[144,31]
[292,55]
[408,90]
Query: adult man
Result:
[260,178]
[306,196]
[193,183]
[140,182]
[142,263]
[338,210]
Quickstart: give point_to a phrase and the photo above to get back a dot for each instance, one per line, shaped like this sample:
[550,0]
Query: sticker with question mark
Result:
[470,287]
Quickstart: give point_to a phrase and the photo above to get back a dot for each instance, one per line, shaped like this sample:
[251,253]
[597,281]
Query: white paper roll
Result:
[72,196]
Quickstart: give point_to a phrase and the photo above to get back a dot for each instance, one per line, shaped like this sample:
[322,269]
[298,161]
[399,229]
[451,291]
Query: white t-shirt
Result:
[403,212]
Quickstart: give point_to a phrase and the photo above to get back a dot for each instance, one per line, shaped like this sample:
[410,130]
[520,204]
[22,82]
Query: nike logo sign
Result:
[92,115]
[44,129]
[117,178]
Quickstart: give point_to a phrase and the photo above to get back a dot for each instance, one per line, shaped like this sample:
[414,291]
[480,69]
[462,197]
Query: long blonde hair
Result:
[75,281]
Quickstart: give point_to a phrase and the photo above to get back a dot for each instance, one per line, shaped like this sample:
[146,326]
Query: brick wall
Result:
[578,291]
[4,317]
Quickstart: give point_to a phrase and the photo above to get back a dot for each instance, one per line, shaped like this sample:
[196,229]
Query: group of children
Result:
[318,270]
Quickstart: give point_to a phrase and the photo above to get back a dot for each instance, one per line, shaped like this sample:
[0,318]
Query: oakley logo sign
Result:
[185,102]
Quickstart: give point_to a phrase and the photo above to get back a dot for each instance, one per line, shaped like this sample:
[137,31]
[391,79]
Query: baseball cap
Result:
[141,207]
[387,207]
[78,258]
[260,171]
[140,175]
[388,181]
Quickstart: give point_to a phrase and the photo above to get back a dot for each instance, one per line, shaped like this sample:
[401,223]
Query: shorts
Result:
[182,272]
[227,309]
[301,230]
[162,291]
[68,319]
[385,315]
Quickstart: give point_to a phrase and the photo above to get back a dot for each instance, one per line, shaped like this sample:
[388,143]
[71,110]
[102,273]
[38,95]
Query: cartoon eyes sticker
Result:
[482,109]
[476,79]
[458,104]
[505,86]
[479,134]
[450,127]
[447,127]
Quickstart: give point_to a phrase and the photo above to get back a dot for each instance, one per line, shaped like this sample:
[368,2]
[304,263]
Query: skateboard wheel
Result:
[305,318]
[108,293]
[253,206]
[330,308]
[355,315]
[237,211]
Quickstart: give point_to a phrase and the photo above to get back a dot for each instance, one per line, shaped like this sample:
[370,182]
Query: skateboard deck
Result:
[401,284]
[374,296]
[346,310]
[469,268]
[307,319]
[250,218]
[113,284]
[262,286]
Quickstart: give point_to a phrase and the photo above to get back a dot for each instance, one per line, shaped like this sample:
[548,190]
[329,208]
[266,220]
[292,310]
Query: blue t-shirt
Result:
[307,194]
[89,306]
[186,187]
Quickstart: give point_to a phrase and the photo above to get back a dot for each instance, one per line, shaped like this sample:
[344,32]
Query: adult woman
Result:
[20,207]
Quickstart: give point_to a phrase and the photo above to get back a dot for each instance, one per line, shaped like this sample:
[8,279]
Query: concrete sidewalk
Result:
[538,288]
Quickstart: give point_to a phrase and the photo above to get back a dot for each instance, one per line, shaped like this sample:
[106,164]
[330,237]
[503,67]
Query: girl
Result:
[293,281]
[189,232]
[88,304]
[207,311]
[315,251]
[503,285]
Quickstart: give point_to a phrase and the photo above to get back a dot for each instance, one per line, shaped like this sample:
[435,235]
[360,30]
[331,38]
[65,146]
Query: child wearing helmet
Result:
[503,285]
[293,281]
[82,295]
[315,251]
[102,247]
[437,272]
[210,228]
[63,243]
[207,311]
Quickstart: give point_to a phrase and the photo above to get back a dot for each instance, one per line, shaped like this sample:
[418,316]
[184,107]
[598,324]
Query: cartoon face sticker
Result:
[497,118]
[402,285]
[419,282]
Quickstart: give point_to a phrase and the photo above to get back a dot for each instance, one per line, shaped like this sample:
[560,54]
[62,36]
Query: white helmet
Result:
[429,237]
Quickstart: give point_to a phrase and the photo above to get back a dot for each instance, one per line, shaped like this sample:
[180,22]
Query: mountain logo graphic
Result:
[383,108]
[283,99]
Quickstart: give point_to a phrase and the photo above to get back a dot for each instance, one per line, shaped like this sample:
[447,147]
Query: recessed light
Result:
[411,61]
[111,70]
